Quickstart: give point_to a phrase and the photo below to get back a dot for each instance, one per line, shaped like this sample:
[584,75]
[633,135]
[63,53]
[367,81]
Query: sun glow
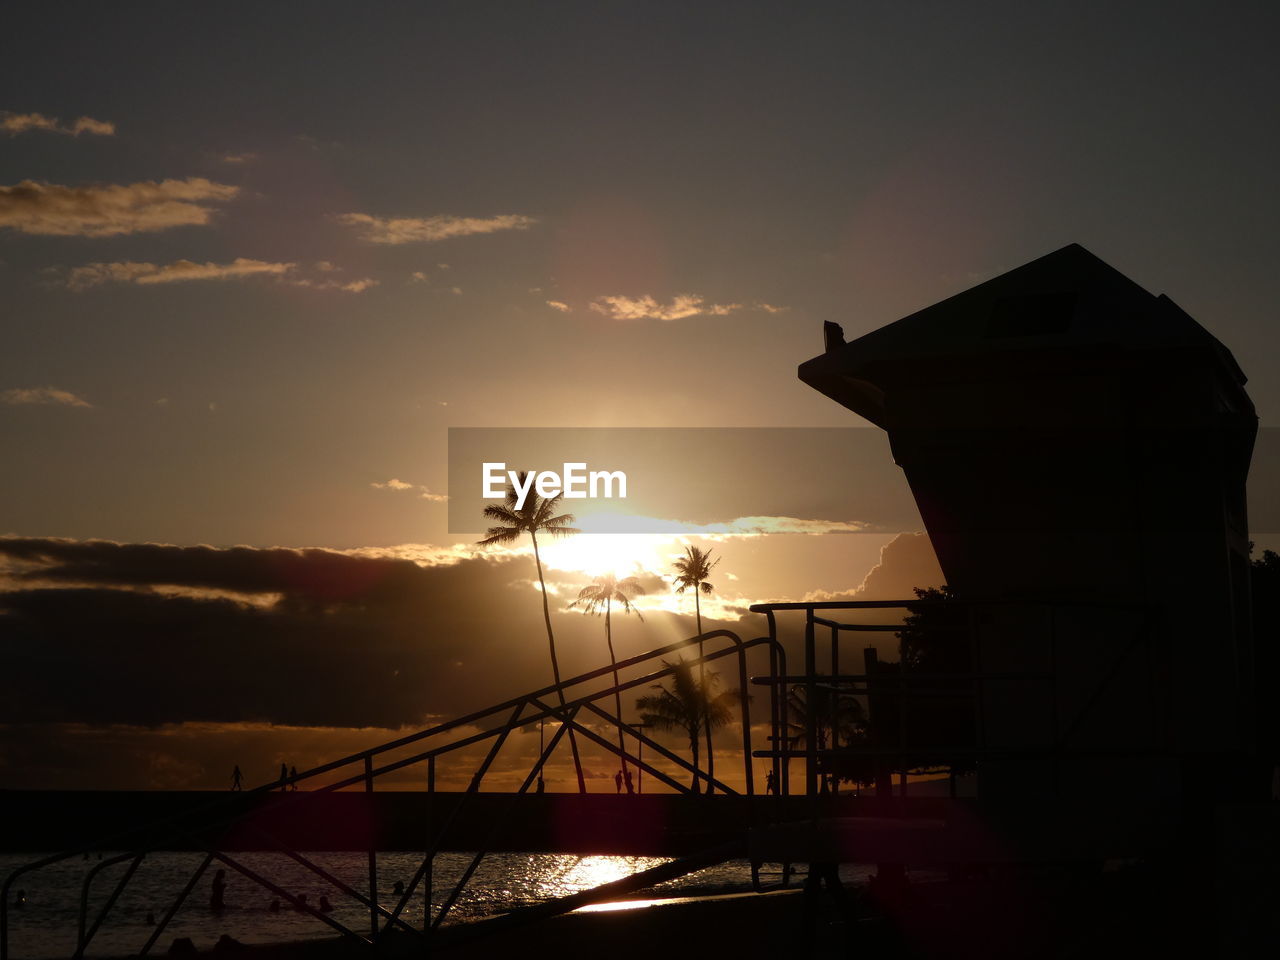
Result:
[624,554]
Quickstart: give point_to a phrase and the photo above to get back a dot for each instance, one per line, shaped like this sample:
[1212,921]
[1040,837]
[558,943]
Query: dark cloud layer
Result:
[99,632]
[349,641]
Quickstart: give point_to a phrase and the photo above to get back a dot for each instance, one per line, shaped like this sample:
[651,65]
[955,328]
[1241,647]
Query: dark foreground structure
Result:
[1078,449]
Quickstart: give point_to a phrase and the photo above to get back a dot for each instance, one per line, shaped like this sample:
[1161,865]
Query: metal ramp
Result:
[585,710]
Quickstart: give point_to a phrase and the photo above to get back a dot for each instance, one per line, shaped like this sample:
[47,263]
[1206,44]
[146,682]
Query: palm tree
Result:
[604,592]
[838,720]
[692,571]
[538,515]
[688,706]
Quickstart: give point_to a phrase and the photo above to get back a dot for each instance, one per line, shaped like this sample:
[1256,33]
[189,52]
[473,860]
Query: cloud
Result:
[771,308]
[350,286]
[42,395]
[16,123]
[397,230]
[559,305]
[327,267]
[906,562]
[52,209]
[238,158]
[425,493]
[647,308]
[93,274]
[419,276]
[93,628]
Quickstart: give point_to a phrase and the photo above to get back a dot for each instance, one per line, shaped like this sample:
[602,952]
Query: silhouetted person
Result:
[216,902]
[237,778]
[617,781]
[541,787]
[631,787]
[284,775]
[398,889]
[770,782]
[293,773]
[325,905]
[302,902]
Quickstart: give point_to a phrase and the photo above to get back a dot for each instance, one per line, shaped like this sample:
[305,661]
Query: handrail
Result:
[223,812]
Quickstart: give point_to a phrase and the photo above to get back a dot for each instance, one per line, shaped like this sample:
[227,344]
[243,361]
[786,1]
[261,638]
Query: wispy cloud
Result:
[559,305]
[23,396]
[238,158]
[647,308]
[93,274]
[397,230]
[347,286]
[400,485]
[16,123]
[111,209]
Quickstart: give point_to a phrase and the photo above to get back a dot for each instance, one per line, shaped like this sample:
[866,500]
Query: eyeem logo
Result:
[575,483]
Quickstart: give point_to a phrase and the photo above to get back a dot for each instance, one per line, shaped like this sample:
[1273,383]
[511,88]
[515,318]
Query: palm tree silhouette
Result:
[838,720]
[689,706]
[538,515]
[692,571]
[603,593]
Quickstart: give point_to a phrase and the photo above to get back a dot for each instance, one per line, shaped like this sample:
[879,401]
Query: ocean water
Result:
[46,926]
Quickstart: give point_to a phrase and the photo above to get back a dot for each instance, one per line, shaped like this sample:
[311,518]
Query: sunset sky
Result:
[257,259]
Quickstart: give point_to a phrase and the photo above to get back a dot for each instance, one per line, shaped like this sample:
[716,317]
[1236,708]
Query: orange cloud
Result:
[647,308]
[21,396]
[397,230]
[52,209]
[16,123]
[93,274]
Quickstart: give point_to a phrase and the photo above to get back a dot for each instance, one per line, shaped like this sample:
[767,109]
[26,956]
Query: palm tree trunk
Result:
[617,694]
[702,679]
[555,664]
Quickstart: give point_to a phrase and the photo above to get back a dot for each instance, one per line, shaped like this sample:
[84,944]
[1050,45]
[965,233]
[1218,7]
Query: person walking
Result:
[237,779]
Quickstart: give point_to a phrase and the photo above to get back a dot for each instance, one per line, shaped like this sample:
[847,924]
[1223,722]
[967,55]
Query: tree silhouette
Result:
[688,705]
[692,571]
[935,665]
[600,596]
[538,515]
[839,721]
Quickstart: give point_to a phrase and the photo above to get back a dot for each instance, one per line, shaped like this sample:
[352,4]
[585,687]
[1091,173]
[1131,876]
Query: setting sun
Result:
[622,553]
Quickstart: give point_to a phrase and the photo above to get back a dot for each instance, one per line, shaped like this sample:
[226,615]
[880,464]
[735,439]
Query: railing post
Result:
[749,772]
[373,852]
[811,699]
[427,873]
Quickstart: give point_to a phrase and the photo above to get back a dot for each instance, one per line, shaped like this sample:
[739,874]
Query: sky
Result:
[255,261]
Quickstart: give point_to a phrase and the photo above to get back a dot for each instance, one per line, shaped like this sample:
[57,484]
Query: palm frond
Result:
[503,512]
[500,535]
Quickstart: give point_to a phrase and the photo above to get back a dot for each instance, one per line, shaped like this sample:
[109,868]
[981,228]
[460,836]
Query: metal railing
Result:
[886,692]
[363,769]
